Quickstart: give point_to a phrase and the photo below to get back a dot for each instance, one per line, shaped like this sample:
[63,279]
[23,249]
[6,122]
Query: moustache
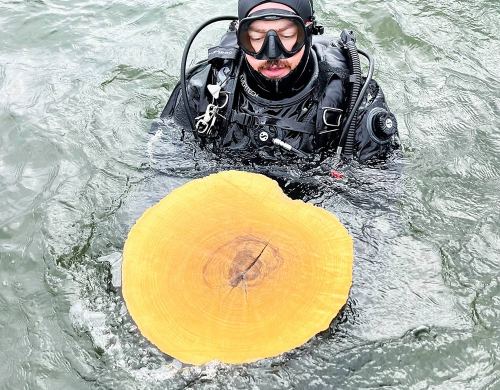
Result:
[275,64]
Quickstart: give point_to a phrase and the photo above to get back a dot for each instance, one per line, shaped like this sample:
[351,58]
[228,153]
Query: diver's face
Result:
[288,34]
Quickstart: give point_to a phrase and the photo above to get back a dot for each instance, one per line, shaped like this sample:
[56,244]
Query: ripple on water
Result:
[79,85]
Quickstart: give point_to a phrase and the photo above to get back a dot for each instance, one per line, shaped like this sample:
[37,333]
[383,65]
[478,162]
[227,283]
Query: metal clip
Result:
[206,121]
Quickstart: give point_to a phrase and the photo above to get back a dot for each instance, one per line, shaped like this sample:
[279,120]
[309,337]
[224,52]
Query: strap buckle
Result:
[332,117]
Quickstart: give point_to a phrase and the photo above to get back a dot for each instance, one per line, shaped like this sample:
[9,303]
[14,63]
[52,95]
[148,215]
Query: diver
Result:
[275,87]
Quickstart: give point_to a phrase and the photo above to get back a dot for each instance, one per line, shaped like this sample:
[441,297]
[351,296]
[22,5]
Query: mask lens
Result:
[253,34]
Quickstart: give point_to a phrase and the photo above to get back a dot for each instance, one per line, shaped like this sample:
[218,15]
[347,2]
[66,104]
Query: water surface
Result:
[81,82]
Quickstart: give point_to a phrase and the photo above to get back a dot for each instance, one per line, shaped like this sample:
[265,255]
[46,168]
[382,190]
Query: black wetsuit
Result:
[309,119]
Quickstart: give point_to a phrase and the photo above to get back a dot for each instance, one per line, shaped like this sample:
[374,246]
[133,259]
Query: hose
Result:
[352,120]
[184,62]
[350,126]
[346,144]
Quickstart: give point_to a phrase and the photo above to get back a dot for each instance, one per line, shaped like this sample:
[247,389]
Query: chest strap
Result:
[248,120]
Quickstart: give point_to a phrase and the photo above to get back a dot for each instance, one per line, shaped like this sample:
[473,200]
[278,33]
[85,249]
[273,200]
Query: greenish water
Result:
[81,82]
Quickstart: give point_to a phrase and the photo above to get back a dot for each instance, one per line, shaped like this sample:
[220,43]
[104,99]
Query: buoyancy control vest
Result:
[308,122]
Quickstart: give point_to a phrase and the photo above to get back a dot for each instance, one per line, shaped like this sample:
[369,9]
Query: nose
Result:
[272,51]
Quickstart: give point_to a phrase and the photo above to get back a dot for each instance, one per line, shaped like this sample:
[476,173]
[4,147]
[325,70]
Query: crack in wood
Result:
[236,280]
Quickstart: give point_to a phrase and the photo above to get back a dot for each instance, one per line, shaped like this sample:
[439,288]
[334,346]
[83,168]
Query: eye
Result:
[256,37]
[288,34]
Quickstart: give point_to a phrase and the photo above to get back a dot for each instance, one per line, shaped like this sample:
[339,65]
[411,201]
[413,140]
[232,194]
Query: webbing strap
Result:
[244,119]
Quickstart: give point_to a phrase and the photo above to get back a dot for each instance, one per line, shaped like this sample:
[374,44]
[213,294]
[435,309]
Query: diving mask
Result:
[272,34]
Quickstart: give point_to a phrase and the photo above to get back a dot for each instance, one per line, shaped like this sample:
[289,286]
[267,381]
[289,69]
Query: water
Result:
[80,84]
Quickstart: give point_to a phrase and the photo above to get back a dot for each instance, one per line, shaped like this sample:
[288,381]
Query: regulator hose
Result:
[184,62]
[355,88]
[346,144]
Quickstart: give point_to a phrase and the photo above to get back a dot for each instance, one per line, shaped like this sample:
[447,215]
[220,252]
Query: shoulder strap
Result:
[333,78]
[332,59]
[227,49]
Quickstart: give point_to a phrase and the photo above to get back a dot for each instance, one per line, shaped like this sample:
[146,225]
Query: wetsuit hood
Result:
[303,8]
[297,78]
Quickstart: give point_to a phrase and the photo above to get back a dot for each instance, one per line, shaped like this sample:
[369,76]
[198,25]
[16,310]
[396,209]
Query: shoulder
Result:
[331,58]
